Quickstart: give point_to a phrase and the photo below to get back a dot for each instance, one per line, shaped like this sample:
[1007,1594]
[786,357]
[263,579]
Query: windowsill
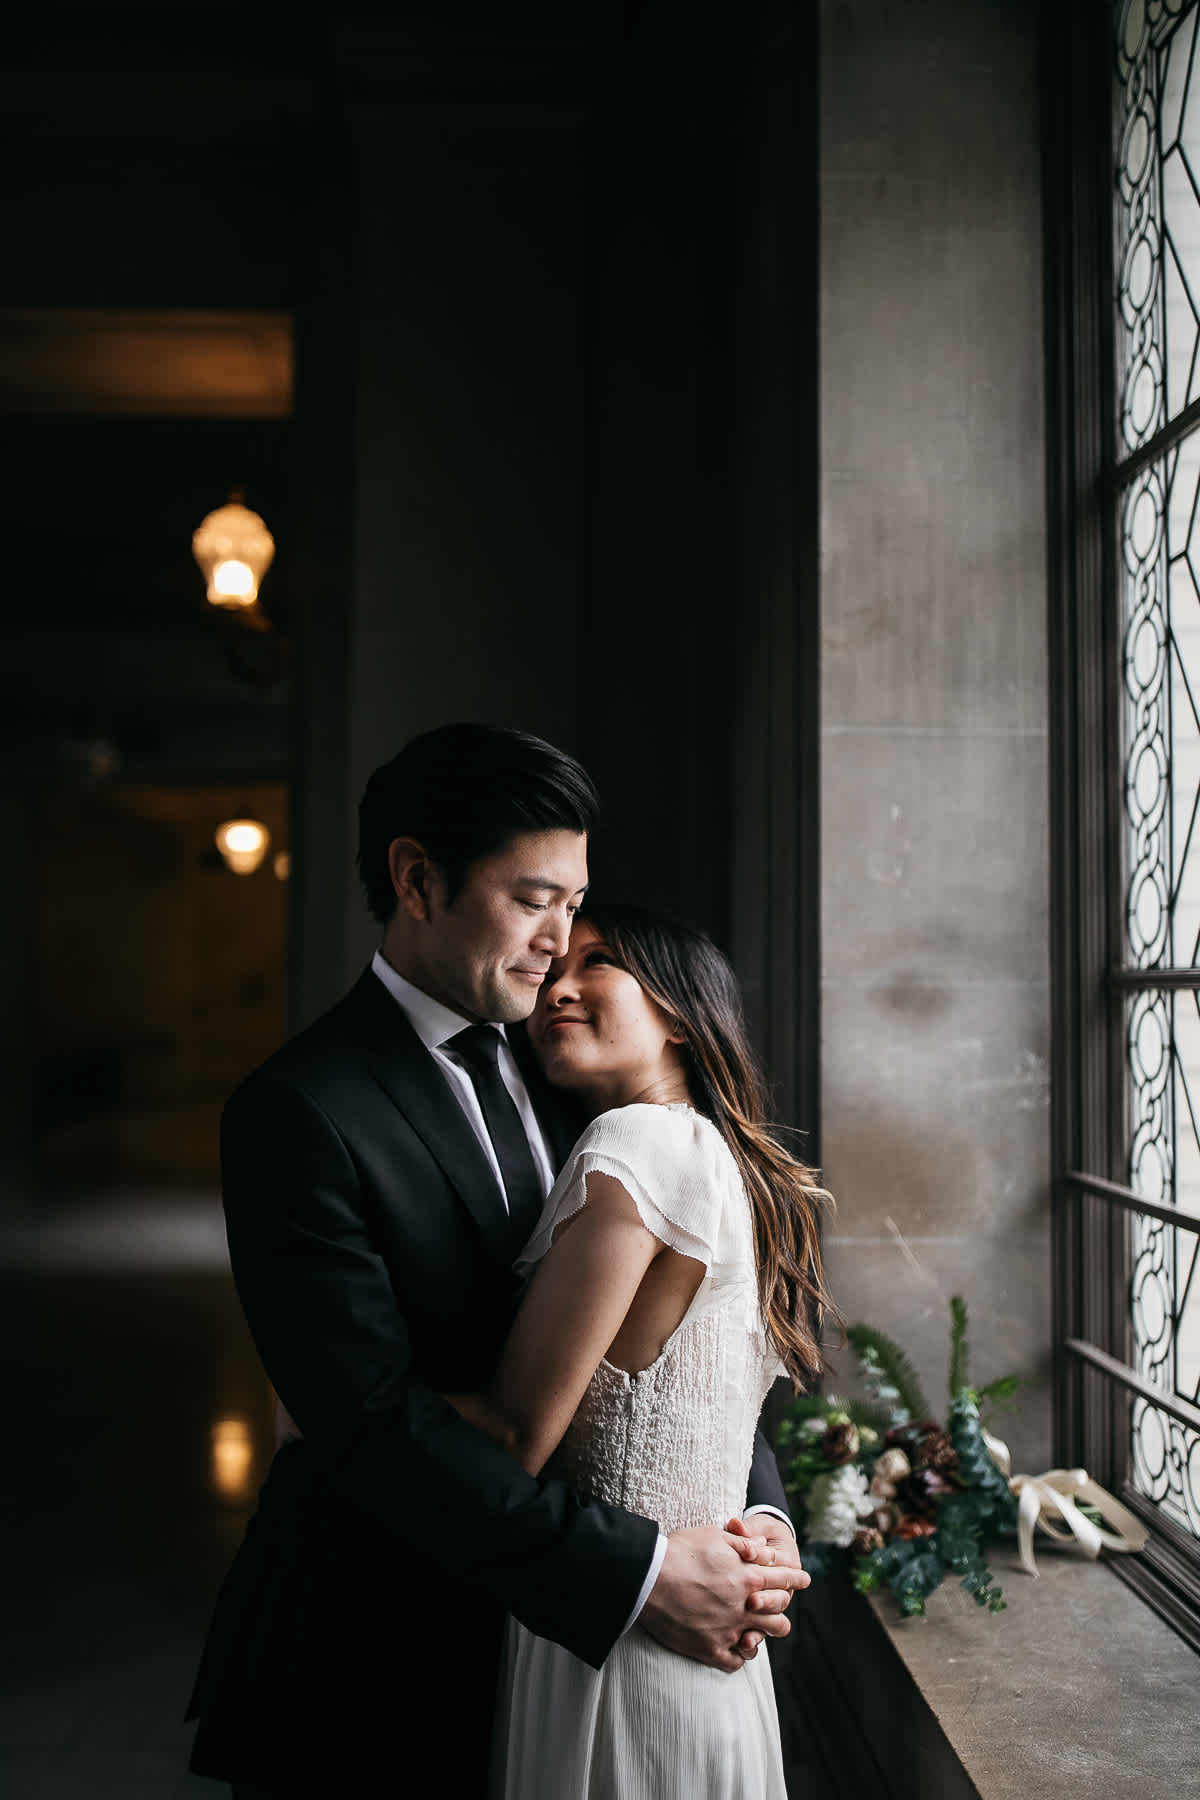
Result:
[1076,1688]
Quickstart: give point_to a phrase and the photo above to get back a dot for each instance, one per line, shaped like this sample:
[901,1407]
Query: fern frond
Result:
[958,1345]
[862,1412]
[818,1406]
[872,1413]
[998,1391]
[891,1379]
[808,1406]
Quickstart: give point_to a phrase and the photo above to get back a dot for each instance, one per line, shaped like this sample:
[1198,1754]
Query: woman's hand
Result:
[779,1540]
[778,1550]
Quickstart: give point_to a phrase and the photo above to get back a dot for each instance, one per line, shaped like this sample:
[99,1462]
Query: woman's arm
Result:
[335,1341]
[572,1310]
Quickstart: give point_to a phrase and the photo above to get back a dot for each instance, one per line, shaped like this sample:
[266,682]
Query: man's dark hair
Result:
[465,792]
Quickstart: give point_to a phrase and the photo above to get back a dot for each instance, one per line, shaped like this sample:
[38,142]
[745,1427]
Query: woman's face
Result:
[596,1031]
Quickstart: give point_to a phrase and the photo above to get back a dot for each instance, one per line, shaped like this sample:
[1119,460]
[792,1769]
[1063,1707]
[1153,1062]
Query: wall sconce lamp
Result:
[243,843]
[234,550]
[232,1466]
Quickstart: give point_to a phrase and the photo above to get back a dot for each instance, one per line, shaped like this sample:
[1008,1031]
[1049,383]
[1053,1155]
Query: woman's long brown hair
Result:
[689,977]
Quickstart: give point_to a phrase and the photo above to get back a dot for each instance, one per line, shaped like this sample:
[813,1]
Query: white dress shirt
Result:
[435,1025]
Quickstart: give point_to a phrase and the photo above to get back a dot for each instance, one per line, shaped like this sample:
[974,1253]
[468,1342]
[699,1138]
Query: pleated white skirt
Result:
[650,1725]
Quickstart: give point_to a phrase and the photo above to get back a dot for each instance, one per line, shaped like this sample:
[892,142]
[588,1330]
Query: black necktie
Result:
[479,1048]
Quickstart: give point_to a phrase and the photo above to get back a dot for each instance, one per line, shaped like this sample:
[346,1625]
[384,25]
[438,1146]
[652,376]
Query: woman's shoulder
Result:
[671,1160]
[676,1126]
[672,1142]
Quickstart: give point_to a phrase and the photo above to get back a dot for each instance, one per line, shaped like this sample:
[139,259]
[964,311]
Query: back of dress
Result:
[673,1442]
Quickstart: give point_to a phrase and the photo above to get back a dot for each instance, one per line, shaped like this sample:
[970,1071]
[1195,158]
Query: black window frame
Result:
[1094,1382]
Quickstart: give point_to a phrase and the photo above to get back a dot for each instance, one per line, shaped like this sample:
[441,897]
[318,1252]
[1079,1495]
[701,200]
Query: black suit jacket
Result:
[372,1255]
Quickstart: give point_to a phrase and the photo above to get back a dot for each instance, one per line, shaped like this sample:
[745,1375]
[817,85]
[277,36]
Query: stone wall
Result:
[934,850]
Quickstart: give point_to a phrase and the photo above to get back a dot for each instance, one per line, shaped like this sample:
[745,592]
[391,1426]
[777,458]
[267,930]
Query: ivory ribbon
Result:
[1049,1501]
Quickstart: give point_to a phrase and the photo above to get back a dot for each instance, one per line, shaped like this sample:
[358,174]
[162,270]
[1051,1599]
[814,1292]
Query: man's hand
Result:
[709,1580]
[779,1551]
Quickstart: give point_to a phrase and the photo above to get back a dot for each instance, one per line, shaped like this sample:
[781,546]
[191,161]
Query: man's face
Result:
[486,952]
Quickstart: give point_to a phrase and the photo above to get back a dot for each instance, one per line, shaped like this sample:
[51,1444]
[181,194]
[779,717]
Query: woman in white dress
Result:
[676,1275]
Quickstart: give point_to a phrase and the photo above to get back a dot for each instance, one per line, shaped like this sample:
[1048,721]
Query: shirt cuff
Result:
[774,1512]
[652,1574]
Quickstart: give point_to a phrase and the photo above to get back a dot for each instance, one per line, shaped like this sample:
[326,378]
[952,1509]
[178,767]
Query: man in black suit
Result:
[380,1173]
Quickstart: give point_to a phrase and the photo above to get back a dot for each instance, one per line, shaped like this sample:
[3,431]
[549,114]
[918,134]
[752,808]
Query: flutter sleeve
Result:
[670,1160]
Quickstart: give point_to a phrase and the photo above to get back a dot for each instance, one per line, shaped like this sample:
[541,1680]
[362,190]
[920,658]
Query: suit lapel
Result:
[412,1081]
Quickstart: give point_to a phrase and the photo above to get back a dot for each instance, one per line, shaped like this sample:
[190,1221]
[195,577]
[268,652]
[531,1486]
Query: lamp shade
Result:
[234,550]
[243,843]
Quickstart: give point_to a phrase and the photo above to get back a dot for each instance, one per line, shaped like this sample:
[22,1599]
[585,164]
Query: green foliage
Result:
[958,1526]
[987,1487]
[1003,1388]
[867,1413]
[910,1568]
[958,1345]
[979,1506]
[962,1527]
[798,1448]
[891,1380]
[913,1568]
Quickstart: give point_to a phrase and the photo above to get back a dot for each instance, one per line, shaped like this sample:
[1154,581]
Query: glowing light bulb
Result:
[234,550]
[235,582]
[232,1464]
[243,843]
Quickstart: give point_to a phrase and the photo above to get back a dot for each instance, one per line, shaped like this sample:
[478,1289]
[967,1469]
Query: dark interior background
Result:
[527,439]
[504,321]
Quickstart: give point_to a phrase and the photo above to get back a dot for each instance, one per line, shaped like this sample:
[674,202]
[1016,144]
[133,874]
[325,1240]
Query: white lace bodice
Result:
[674,1442]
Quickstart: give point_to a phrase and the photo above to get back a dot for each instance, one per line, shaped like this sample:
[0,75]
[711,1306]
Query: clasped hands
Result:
[712,1579]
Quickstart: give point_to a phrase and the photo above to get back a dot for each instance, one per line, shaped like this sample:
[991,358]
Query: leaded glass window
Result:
[1157,515]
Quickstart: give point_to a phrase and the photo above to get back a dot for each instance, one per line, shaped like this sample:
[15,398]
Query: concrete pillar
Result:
[934,846]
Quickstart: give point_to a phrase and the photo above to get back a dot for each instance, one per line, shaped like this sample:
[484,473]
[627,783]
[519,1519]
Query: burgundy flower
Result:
[912,1432]
[840,1443]
[921,1490]
[866,1539]
[914,1528]
[935,1451]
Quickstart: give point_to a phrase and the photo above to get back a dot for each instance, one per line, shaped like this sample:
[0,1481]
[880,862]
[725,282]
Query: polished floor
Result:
[123,1348]
[135,1430]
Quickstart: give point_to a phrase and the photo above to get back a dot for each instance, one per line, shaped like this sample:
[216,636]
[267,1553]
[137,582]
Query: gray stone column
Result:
[934,756]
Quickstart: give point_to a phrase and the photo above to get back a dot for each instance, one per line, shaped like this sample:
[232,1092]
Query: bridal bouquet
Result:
[908,1500]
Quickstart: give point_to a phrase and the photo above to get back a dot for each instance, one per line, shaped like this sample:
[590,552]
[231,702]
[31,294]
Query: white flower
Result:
[816,1426]
[893,1465]
[836,1503]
